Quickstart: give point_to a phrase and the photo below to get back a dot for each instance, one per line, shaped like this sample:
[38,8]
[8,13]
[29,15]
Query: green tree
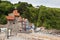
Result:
[5,7]
[3,19]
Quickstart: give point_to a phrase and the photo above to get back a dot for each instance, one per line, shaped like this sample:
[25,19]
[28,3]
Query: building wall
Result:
[11,14]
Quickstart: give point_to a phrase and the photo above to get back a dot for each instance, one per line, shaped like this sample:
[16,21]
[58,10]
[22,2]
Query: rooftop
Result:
[10,17]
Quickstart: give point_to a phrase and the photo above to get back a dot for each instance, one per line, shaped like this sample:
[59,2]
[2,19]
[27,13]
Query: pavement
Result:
[31,36]
[39,36]
[15,38]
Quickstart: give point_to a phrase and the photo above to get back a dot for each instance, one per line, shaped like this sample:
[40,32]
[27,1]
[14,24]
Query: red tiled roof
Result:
[10,17]
[15,12]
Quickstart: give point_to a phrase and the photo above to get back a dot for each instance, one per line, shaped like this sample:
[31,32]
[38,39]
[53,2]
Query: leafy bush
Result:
[3,19]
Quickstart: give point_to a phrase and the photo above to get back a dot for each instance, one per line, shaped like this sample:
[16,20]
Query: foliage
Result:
[3,19]
[5,7]
[41,16]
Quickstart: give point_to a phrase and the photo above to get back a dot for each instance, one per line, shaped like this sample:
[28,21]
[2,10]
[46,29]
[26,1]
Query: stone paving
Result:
[31,36]
[38,36]
[15,38]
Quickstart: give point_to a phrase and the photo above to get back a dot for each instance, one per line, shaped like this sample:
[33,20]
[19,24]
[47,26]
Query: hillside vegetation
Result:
[41,16]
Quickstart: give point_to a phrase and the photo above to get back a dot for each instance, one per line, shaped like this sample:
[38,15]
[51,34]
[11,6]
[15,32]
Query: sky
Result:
[48,3]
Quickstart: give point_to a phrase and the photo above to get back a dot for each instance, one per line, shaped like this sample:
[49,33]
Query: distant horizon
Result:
[47,3]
